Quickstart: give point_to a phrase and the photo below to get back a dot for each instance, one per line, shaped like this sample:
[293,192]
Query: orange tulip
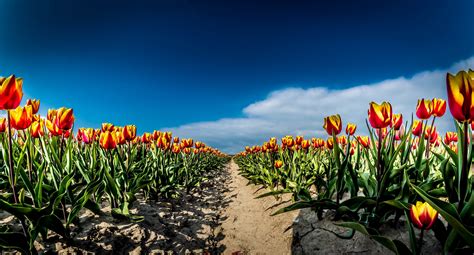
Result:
[11,92]
[199,145]
[21,117]
[460,95]
[333,124]
[305,144]
[120,138]
[176,139]
[53,128]
[439,107]
[330,143]
[107,127]
[298,140]
[64,118]
[342,140]
[35,104]
[108,140]
[364,141]
[397,121]
[3,125]
[278,164]
[37,128]
[350,129]
[156,135]
[424,109]
[129,132]
[146,138]
[423,215]
[176,149]
[380,116]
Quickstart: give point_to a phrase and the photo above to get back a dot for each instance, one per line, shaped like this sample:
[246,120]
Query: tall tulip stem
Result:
[10,158]
[420,242]
[465,167]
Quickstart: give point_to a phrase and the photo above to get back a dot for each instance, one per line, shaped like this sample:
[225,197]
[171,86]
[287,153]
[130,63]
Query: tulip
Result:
[53,128]
[64,118]
[176,139]
[3,125]
[333,124]
[175,149]
[21,117]
[364,141]
[423,215]
[350,129]
[380,116]
[397,121]
[35,104]
[460,95]
[87,135]
[120,137]
[342,140]
[424,109]
[439,107]
[299,140]
[330,143]
[429,132]
[450,137]
[37,128]
[108,140]
[129,132]
[146,138]
[278,164]
[108,127]
[305,144]
[187,150]
[417,128]
[156,134]
[11,92]
[198,145]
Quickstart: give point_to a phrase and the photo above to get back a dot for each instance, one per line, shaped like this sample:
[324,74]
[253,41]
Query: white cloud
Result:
[298,111]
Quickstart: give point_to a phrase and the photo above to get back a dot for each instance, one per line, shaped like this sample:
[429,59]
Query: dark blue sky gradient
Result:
[166,63]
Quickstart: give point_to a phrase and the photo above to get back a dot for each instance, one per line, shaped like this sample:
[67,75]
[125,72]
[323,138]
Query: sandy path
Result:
[247,224]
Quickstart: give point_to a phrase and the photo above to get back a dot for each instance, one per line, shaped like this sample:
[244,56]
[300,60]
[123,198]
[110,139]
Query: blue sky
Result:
[201,68]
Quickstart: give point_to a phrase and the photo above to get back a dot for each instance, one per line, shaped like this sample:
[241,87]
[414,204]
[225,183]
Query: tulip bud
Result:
[439,107]
[108,140]
[278,164]
[460,94]
[129,132]
[423,215]
[11,92]
[107,127]
[350,129]
[3,125]
[37,128]
[380,116]
[397,121]
[424,109]
[35,104]
[333,124]
[417,128]
[21,117]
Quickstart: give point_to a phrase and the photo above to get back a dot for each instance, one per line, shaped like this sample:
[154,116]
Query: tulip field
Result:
[398,170]
[49,172]
[401,170]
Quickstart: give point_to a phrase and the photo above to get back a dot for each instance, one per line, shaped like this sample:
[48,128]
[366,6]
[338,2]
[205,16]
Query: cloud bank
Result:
[298,111]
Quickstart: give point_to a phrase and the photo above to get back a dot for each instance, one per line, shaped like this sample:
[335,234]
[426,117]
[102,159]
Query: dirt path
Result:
[247,224]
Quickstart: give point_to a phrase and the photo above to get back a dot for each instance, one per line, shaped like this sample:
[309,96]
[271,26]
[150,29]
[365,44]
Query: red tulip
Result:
[11,92]
[424,109]
[380,116]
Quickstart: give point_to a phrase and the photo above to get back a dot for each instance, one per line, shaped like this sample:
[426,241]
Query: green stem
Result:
[10,158]
[465,168]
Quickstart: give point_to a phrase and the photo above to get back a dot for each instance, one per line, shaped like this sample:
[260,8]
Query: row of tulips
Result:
[398,170]
[48,174]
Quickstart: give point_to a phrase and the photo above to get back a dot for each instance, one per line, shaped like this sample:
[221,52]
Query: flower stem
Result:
[10,158]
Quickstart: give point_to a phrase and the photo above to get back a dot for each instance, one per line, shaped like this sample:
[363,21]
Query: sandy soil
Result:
[248,227]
